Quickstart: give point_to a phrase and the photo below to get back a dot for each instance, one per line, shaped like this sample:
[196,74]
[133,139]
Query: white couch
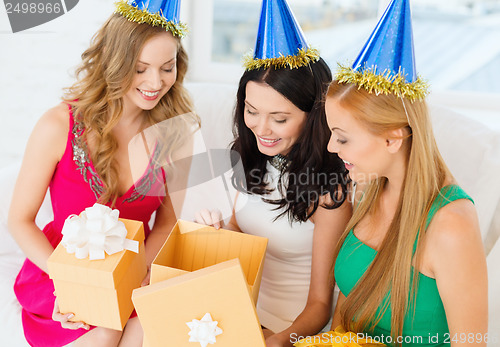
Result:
[471,150]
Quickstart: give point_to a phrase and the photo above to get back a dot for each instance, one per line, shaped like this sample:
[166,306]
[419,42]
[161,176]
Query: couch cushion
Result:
[472,152]
[214,103]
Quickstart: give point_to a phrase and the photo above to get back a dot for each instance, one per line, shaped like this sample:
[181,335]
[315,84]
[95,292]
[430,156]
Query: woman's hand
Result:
[209,217]
[64,319]
[147,278]
[276,340]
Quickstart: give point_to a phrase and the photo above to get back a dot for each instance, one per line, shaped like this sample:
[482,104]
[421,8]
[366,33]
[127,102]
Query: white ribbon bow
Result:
[204,330]
[95,231]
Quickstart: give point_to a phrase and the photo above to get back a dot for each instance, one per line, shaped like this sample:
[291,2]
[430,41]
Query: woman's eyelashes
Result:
[170,69]
[337,138]
[341,141]
[254,113]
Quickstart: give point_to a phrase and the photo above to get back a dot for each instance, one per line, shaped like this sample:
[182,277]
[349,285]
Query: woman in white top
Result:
[292,191]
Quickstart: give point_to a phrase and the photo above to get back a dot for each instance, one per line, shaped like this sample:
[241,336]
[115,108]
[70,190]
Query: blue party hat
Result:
[386,63]
[280,40]
[162,13]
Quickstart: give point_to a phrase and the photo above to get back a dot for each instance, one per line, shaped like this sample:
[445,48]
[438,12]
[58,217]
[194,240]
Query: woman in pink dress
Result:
[130,79]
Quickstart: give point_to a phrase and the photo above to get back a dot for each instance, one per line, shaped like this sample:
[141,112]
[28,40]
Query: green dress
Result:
[428,326]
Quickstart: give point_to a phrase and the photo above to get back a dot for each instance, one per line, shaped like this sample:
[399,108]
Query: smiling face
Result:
[365,155]
[156,72]
[274,120]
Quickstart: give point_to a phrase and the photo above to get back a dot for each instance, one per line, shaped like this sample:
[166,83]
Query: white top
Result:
[287,267]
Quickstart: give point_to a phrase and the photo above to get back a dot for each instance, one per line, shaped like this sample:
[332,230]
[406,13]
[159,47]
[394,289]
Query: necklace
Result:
[279,162]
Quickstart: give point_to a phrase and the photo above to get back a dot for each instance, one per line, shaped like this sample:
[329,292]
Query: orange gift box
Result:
[191,246]
[99,292]
[221,290]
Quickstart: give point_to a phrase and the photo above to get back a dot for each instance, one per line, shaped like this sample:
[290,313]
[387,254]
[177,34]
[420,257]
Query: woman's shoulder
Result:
[337,215]
[56,119]
[452,238]
[453,226]
[52,128]
[458,214]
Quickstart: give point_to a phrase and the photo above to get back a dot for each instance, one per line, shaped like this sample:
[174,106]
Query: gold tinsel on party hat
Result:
[302,58]
[383,82]
[135,14]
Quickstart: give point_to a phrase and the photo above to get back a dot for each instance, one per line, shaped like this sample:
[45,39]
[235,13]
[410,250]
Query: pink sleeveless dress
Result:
[75,186]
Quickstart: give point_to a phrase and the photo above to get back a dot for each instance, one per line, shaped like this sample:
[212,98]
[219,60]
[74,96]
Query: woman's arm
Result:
[233,224]
[44,149]
[337,319]
[328,227]
[458,263]
[164,222]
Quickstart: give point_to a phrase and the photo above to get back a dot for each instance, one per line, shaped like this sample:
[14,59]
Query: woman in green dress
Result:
[410,265]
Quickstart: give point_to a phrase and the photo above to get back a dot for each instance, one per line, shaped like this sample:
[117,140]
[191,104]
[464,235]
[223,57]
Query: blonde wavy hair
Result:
[103,78]
[425,175]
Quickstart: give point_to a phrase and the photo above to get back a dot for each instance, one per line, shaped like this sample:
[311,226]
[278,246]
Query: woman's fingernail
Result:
[71,315]
[81,325]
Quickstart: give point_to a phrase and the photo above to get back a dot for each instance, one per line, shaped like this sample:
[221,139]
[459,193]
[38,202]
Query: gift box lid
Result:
[165,307]
[105,273]
[191,247]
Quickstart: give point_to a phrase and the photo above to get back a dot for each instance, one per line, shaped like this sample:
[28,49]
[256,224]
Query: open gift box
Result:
[99,292]
[191,247]
[165,308]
